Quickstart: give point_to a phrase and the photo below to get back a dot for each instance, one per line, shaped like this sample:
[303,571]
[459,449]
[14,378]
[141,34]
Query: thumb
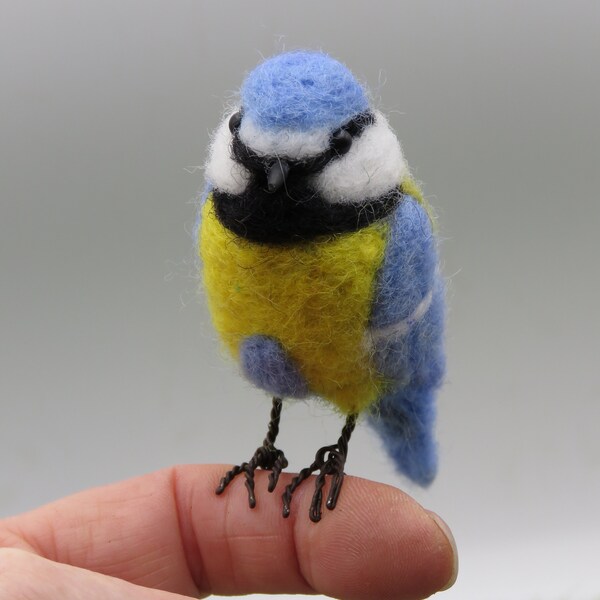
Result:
[27,575]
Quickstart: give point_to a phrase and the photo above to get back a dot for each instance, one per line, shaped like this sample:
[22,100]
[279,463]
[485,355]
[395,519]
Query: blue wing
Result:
[267,365]
[406,339]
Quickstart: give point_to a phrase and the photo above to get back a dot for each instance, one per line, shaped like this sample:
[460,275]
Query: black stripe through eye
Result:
[340,143]
[356,125]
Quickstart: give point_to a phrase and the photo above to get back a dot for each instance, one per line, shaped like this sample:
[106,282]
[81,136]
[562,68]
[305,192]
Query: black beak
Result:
[276,175]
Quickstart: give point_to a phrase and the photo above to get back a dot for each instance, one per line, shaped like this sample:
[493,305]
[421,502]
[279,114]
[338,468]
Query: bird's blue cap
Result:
[302,91]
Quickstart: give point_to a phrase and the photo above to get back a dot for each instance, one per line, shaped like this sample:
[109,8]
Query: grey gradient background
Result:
[109,365]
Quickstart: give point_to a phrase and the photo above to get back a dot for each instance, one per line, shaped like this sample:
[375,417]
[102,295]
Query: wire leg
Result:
[266,457]
[329,460]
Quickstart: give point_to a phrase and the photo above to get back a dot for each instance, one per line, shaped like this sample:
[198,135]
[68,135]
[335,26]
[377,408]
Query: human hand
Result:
[168,531]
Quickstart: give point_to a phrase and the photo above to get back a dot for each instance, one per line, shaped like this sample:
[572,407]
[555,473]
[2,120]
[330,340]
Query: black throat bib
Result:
[295,213]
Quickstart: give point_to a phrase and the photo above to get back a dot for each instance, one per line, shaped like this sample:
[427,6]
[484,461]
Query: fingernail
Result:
[446,531]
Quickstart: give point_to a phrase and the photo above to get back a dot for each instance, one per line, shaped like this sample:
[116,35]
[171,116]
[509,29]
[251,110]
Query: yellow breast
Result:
[314,297]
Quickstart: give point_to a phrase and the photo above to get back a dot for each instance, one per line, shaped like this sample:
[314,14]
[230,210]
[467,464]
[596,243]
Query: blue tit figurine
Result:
[320,266]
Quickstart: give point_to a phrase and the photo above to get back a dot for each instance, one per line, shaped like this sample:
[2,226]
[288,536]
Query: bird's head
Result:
[304,154]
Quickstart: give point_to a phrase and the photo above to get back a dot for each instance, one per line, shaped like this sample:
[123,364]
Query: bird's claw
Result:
[329,460]
[265,457]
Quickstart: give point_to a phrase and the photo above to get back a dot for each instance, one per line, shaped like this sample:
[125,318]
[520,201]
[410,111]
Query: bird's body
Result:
[320,264]
[313,298]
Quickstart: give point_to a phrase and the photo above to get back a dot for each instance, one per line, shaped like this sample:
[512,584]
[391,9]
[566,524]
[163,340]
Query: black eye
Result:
[341,141]
[234,121]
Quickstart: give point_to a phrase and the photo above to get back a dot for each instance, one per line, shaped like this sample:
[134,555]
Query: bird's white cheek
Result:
[373,166]
[222,171]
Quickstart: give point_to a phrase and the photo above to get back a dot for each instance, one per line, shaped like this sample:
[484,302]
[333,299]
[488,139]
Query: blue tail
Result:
[405,420]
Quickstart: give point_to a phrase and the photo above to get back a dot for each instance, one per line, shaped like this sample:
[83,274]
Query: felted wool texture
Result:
[295,213]
[407,274]
[302,91]
[314,298]
[221,171]
[405,335]
[298,146]
[405,420]
[267,365]
[407,320]
[231,177]
[373,165]
[307,166]
[414,356]
[411,188]
[284,142]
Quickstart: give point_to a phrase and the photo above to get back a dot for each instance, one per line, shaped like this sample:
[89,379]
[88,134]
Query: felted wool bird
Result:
[320,266]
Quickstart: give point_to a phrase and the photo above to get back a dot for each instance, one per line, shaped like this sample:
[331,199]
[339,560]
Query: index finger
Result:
[168,530]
